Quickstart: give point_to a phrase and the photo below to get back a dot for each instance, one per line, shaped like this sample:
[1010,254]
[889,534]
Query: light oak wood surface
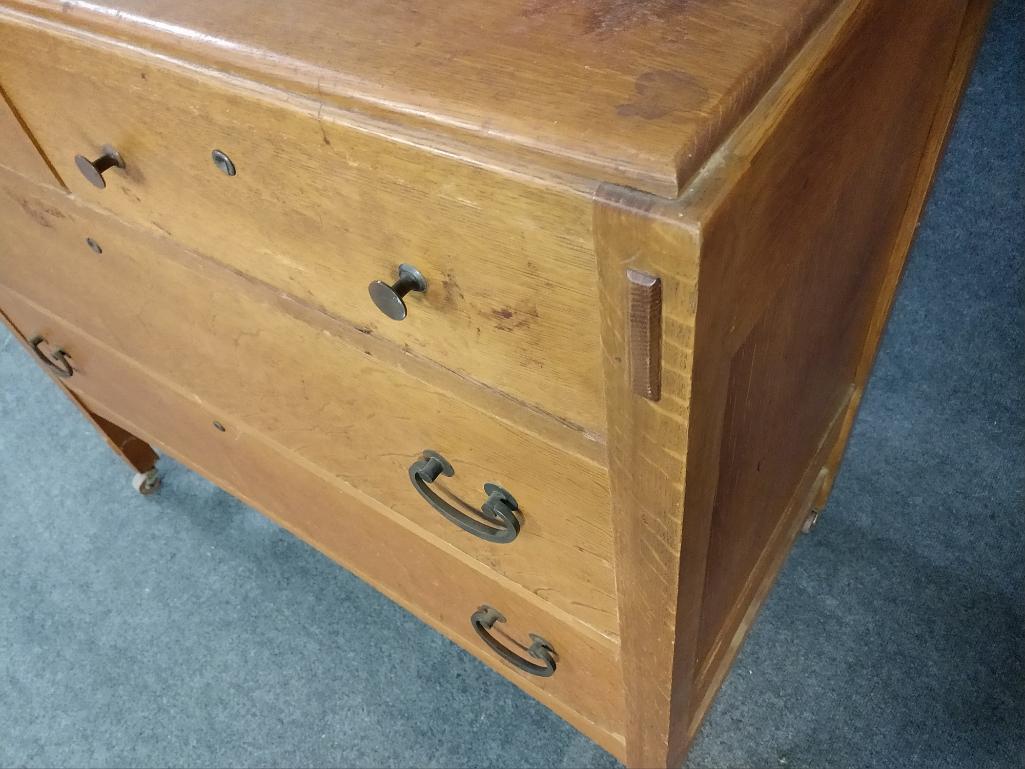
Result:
[661,241]
[648,464]
[788,231]
[426,577]
[319,210]
[19,152]
[630,91]
[334,404]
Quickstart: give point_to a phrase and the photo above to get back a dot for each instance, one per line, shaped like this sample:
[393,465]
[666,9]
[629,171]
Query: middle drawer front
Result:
[320,209]
[334,405]
[443,587]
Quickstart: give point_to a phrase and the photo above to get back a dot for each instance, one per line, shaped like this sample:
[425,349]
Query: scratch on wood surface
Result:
[608,17]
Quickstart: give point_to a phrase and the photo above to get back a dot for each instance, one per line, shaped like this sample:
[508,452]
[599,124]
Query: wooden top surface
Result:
[637,92]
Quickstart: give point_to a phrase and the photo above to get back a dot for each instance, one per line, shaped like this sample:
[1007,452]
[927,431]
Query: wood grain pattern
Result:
[424,575]
[330,401]
[737,321]
[647,460]
[816,279]
[20,153]
[319,210]
[630,91]
[788,229]
[138,454]
[645,333]
[964,56]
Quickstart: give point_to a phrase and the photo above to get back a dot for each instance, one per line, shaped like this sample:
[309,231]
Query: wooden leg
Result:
[135,451]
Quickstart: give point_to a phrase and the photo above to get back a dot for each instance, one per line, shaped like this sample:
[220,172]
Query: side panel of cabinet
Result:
[800,245]
[784,250]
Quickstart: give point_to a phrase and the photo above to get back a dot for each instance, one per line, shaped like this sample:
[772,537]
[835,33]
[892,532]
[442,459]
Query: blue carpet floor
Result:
[185,630]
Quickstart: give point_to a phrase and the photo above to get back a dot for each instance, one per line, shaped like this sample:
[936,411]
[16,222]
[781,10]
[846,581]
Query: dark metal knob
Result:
[389,298]
[485,618]
[93,169]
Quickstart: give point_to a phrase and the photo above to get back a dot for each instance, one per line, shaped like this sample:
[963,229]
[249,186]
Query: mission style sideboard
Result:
[548,318]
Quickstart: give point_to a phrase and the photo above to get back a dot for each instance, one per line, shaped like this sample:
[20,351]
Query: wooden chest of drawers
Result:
[550,319]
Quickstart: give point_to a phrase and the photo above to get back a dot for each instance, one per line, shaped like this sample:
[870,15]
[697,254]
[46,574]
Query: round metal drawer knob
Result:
[93,169]
[388,299]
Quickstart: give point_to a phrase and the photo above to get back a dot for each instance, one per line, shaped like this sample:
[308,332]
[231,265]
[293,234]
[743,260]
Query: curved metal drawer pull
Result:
[63,370]
[499,508]
[485,618]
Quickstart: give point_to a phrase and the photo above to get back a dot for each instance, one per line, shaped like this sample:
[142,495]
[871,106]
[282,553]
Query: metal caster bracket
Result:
[146,483]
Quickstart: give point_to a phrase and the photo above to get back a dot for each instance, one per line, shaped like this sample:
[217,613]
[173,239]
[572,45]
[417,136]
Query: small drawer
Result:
[319,209]
[19,153]
[443,587]
[336,406]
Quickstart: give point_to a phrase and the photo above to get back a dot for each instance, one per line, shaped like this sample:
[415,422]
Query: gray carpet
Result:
[185,630]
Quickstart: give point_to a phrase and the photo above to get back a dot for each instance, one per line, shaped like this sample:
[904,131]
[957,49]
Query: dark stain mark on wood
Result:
[661,92]
[508,319]
[42,215]
[452,292]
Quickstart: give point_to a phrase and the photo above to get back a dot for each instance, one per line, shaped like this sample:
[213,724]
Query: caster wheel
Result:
[146,483]
[810,521]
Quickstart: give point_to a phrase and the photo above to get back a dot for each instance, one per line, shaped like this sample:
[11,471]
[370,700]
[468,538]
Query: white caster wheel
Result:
[146,483]
[810,521]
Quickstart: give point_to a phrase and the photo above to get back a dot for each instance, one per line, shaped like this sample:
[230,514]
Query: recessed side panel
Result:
[802,225]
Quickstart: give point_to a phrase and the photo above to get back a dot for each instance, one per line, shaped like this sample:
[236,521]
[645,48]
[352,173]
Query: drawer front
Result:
[439,584]
[19,153]
[319,210]
[335,405]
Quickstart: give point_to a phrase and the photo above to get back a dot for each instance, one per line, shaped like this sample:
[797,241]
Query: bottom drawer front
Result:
[433,580]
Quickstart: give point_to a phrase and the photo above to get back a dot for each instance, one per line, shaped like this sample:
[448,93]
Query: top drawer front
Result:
[320,209]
